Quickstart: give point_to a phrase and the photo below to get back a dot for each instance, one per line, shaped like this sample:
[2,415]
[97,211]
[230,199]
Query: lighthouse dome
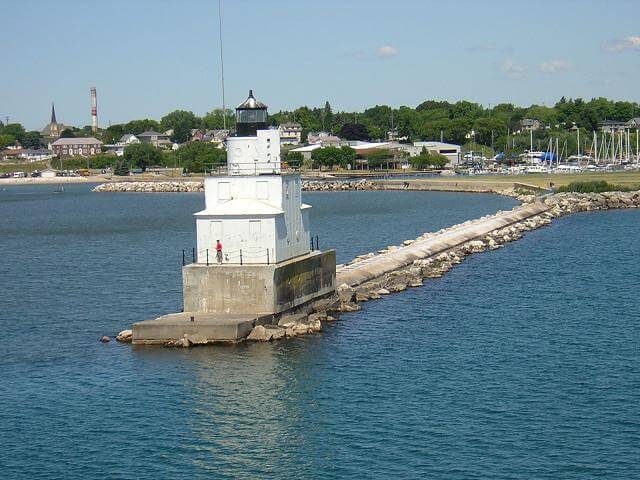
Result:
[251,116]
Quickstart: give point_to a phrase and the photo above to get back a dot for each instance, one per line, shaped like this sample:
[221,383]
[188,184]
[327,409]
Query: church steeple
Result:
[53,113]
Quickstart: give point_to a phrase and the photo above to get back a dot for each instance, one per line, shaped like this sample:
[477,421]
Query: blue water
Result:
[520,363]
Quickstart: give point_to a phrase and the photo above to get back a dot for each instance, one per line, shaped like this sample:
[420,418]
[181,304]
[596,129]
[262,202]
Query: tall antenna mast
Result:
[224,108]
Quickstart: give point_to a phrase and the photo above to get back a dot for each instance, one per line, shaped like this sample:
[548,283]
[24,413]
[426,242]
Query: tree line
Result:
[430,120]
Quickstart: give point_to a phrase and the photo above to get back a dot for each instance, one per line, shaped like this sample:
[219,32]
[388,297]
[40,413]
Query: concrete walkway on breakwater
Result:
[374,267]
[455,184]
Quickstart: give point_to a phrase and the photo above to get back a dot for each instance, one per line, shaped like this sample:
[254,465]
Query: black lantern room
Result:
[251,116]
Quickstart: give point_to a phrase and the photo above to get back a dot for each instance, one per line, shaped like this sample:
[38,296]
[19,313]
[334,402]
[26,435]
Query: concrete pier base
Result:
[210,326]
[258,289]
[222,303]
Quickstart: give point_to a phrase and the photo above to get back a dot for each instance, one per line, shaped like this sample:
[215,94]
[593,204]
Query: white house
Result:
[256,212]
[290,133]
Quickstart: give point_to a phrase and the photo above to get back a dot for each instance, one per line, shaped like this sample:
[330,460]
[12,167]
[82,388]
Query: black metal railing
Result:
[230,257]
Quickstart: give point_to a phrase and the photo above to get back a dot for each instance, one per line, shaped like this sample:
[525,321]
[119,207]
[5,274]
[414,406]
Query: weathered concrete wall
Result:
[377,266]
[258,289]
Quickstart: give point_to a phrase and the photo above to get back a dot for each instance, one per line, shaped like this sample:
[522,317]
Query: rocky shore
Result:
[198,186]
[151,187]
[339,185]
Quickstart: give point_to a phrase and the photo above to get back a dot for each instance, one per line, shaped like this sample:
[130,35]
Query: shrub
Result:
[330,156]
[428,160]
[594,186]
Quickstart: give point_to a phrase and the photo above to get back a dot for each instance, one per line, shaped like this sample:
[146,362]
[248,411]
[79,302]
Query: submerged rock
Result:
[105,339]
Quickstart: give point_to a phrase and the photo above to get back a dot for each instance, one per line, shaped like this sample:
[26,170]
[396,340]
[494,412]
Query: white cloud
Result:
[387,51]
[554,66]
[511,70]
[623,44]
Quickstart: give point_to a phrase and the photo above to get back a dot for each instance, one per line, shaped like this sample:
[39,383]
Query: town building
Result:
[448,150]
[76,146]
[54,128]
[612,126]
[530,124]
[325,139]
[128,139]
[290,133]
[634,123]
[160,140]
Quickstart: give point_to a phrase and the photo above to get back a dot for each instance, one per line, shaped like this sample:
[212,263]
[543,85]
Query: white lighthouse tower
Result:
[256,213]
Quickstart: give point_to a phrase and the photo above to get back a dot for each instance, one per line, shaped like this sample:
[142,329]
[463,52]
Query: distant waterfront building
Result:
[634,123]
[324,139]
[215,136]
[448,150]
[612,126]
[128,139]
[529,124]
[155,138]
[54,128]
[290,133]
[76,146]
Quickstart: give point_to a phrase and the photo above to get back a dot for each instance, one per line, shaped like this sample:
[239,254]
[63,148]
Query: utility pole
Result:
[224,107]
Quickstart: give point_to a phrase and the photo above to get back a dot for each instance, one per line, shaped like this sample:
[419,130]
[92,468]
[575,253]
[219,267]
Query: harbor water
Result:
[522,362]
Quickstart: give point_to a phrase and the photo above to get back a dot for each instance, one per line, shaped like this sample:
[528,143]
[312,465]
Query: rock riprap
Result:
[151,187]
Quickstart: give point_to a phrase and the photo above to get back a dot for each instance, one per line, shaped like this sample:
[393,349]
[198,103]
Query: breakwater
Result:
[198,186]
[524,193]
[151,187]
[398,267]
[395,268]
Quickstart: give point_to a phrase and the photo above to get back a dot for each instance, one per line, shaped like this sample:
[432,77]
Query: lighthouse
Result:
[254,259]
[256,211]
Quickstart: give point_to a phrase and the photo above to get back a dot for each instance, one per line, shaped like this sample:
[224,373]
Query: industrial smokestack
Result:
[94,110]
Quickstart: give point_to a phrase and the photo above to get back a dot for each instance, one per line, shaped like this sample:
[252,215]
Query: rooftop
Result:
[77,141]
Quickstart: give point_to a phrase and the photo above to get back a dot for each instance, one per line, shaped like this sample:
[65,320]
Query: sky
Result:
[149,57]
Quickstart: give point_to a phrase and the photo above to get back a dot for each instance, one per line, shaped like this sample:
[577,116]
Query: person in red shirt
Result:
[219,251]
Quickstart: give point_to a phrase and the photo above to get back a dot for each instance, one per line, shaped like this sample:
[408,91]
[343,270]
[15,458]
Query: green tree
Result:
[112,134]
[295,158]
[121,168]
[428,160]
[15,130]
[378,157]
[32,140]
[200,156]
[215,119]
[181,122]
[354,131]
[330,156]
[142,155]
[139,126]
[6,140]
[67,133]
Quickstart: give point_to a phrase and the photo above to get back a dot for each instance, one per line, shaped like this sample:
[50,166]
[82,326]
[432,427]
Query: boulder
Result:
[197,339]
[125,336]
[345,293]
[382,291]
[260,334]
[181,342]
